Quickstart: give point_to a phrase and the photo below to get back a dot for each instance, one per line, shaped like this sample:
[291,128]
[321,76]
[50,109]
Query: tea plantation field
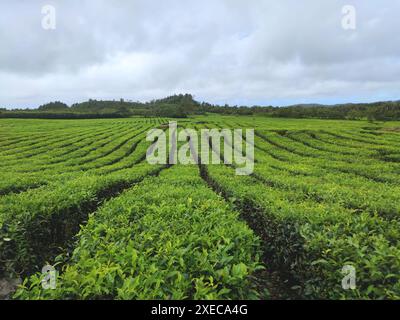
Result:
[80,195]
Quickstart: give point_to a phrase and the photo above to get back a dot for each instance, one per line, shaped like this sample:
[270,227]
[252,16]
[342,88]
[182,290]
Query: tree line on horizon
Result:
[184,105]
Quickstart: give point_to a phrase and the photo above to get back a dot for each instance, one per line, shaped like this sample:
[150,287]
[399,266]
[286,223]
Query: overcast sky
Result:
[263,52]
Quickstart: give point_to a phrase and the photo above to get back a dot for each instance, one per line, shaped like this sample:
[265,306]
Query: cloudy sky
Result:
[264,52]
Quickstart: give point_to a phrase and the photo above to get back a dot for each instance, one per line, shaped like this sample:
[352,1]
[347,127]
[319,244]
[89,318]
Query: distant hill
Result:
[54,107]
[183,105]
[308,105]
[387,110]
[383,111]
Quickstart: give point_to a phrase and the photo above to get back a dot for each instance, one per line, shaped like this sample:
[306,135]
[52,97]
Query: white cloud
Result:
[239,52]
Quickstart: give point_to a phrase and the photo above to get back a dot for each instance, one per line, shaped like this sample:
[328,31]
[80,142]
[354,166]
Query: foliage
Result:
[80,195]
[174,241]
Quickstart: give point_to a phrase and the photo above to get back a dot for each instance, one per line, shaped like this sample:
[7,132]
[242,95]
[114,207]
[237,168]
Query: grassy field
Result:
[80,195]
